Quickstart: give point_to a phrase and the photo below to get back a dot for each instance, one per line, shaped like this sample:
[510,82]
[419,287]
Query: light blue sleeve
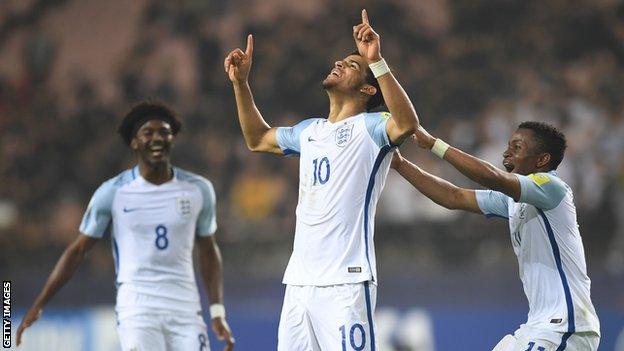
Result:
[493,203]
[207,219]
[542,190]
[288,138]
[376,126]
[98,216]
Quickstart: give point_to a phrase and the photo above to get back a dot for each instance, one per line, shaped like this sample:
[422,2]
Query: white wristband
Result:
[439,148]
[379,68]
[217,310]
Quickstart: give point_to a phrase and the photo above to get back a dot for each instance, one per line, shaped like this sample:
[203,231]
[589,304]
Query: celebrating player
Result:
[544,231]
[331,277]
[154,213]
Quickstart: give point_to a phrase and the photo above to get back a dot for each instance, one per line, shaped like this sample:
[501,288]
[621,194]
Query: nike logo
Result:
[131,209]
[310,139]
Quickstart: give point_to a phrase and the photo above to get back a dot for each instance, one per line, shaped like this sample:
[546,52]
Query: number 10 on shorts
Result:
[357,337]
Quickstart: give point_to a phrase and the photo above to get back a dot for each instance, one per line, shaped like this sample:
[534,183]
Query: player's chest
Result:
[327,153]
[521,218]
[146,209]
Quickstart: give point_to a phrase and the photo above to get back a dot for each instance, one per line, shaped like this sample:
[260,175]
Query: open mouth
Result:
[157,150]
[335,72]
[508,166]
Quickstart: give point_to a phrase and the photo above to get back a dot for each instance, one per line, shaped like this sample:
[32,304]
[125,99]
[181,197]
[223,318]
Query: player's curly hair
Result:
[376,100]
[143,112]
[549,140]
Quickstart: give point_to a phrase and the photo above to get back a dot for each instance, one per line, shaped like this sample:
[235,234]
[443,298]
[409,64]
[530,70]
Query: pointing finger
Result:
[364,16]
[249,49]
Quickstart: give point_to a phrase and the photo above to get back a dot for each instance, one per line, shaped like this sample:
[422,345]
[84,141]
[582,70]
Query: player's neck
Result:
[341,107]
[156,174]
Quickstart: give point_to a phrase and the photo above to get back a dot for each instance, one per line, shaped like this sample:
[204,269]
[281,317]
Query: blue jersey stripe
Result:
[369,192]
[115,254]
[564,341]
[564,280]
[369,315]
[289,152]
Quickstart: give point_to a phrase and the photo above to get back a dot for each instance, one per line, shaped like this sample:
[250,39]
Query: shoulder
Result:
[205,186]
[113,184]
[105,193]
[377,116]
[308,122]
[549,181]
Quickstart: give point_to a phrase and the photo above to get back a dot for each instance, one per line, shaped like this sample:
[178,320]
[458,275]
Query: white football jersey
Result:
[342,170]
[547,242]
[153,230]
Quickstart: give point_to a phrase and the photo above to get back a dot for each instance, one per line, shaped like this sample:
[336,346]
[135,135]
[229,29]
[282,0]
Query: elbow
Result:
[253,147]
[409,128]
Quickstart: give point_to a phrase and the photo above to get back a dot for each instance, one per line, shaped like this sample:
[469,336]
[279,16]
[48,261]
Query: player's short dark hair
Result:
[143,112]
[376,100]
[549,140]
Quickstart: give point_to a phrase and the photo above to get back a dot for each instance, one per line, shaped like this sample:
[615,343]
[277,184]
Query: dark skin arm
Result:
[71,258]
[404,119]
[437,189]
[211,269]
[476,169]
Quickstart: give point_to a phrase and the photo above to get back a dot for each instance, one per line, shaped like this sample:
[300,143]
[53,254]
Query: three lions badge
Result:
[343,135]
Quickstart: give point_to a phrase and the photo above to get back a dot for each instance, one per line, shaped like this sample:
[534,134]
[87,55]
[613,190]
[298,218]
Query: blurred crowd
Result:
[473,69]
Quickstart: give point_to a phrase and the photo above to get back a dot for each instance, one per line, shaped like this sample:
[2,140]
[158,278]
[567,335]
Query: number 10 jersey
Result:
[342,170]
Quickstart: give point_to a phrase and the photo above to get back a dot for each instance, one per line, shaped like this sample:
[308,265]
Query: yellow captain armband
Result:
[539,179]
[385,115]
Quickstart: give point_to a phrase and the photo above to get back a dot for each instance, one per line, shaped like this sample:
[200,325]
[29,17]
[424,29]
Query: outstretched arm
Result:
[211,269]
[437,189]
[474,168]
[404,120]
[63,271]
[259,136]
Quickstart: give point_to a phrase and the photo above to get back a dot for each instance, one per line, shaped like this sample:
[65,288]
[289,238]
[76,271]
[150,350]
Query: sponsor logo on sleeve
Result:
[539,179]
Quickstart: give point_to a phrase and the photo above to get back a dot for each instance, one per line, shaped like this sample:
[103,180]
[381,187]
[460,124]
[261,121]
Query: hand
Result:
[238,63]
[423,138]
[31,316]
[397,159]
[223,332]
[367,40]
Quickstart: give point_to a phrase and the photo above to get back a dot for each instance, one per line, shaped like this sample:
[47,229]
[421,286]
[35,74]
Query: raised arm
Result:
[211,269]
[71,258]
[259,136]
[437,189]
[404,120]
[474,168]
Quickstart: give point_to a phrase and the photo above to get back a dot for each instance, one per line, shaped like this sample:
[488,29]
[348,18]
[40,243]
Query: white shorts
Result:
[532,339]
[335,317]
[162,331]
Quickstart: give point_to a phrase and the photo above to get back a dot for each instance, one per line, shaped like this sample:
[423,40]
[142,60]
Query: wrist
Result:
[217,310]
[379,67]
[439,148]
[374,59]
[239,83]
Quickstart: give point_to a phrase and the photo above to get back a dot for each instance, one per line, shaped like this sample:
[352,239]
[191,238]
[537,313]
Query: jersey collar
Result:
[136,175]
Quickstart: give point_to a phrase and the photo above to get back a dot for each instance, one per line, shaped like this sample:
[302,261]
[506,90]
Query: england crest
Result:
[343,135]
[183,206]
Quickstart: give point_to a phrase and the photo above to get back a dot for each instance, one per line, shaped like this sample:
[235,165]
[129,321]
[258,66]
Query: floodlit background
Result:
[474,69]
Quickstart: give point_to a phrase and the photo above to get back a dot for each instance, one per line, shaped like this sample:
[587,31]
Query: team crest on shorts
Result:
[183,206]
[343,135]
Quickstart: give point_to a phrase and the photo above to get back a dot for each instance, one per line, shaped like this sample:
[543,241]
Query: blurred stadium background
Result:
[69,69]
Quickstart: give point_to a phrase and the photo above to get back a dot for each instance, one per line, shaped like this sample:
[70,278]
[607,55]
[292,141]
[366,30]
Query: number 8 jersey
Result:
[342,170]
[153,229]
